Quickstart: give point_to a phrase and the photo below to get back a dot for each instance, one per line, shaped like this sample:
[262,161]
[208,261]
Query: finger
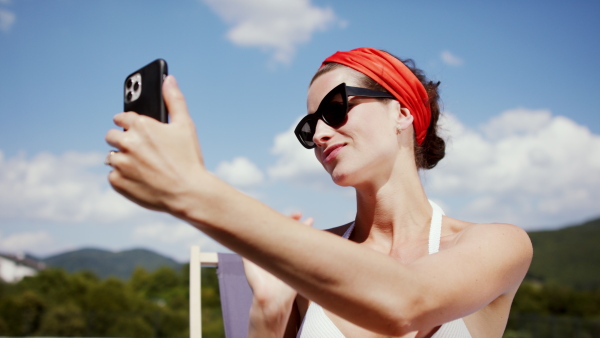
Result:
[113,138]
[174,100]
[107,160]
[115,159]
[126,119]
[309,221]
[122,140]
[296,216]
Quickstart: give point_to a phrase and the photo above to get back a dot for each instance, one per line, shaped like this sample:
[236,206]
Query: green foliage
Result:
[517,334]
[552,310]
[568,256]
[160,285]
[150,304]
[212,320]
[21,315]
[557,300]
[66,320]
[533,325]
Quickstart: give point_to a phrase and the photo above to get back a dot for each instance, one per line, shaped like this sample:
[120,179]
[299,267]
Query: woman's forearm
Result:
[160,166]
[361,285]
[306,259]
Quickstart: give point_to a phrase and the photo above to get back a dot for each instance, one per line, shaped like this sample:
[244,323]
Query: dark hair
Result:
[433,148]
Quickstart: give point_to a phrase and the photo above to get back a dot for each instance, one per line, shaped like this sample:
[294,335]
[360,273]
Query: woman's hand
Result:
[272,299]
[155,163]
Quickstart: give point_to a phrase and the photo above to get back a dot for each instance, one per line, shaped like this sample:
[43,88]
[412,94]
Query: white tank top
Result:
[316,324]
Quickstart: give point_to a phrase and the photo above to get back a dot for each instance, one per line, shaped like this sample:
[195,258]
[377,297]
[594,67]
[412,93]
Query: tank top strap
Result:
[435,229]
[348,231]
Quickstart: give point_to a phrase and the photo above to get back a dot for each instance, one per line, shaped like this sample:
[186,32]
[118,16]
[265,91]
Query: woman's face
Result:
[365,147]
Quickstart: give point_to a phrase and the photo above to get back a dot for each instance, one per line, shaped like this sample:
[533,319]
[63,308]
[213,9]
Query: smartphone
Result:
[143,91]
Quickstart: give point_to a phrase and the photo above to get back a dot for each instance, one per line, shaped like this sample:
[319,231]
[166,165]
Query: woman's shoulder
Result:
[458,227]
[489,229]
[499,235]
[500,251]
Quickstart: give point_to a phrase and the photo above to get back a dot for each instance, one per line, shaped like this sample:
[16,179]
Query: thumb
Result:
[174,100]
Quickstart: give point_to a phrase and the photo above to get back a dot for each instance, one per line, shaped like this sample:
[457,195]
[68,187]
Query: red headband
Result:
[395,77]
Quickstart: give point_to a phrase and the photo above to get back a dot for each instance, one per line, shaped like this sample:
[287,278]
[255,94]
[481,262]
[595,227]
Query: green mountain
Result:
[106,263]
[568,256]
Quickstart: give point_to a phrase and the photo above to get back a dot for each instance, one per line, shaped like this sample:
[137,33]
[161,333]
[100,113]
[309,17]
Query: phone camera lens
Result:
[129,83]
[129,95]
[136,86]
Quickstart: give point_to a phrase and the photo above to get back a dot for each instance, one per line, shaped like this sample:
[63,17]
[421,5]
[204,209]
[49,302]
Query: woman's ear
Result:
[404,119]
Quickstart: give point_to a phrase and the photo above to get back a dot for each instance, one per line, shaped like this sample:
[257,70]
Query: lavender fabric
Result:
[236,295]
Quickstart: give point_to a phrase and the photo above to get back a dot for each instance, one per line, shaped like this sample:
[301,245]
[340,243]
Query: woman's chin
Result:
[341,179]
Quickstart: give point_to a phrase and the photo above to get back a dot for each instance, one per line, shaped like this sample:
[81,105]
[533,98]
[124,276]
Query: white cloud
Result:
[25,241]
[272,25]
[450,59]
[7,19]
[175,233]
[240,172]
[519,121]
[167,232]
[295,163]
[60,188]
[525,167]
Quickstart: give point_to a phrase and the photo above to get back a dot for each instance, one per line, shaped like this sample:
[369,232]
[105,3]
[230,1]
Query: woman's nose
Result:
[323,132]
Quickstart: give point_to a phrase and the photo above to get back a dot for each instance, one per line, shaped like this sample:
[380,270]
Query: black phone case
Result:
[150,101]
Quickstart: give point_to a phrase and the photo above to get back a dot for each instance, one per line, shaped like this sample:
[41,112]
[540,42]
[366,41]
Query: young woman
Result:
[401,269]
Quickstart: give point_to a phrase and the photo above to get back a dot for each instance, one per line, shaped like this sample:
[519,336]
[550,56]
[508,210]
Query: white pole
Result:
[195,294]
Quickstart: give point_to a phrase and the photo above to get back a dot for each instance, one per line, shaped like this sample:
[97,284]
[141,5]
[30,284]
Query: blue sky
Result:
[519,83]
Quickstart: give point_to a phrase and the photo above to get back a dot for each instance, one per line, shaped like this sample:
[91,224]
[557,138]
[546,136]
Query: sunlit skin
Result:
[366,153]
[381,282]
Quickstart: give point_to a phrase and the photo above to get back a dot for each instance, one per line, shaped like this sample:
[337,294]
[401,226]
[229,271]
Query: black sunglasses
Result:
[333,110]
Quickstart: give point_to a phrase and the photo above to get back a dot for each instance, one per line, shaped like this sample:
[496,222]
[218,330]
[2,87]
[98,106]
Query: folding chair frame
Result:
[197,260]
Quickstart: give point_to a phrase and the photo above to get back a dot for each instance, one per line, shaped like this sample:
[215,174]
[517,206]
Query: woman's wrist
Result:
[194,201]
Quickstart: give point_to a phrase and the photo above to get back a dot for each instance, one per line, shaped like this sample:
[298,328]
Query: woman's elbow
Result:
[402,319]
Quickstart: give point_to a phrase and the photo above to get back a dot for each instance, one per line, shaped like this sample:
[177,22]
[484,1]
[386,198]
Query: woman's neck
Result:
[393,212]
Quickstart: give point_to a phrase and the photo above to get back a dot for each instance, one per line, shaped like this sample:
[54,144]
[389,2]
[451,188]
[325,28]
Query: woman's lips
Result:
[330,153]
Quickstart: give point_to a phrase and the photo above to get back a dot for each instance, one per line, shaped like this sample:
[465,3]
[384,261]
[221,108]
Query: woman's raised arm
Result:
[160,167]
